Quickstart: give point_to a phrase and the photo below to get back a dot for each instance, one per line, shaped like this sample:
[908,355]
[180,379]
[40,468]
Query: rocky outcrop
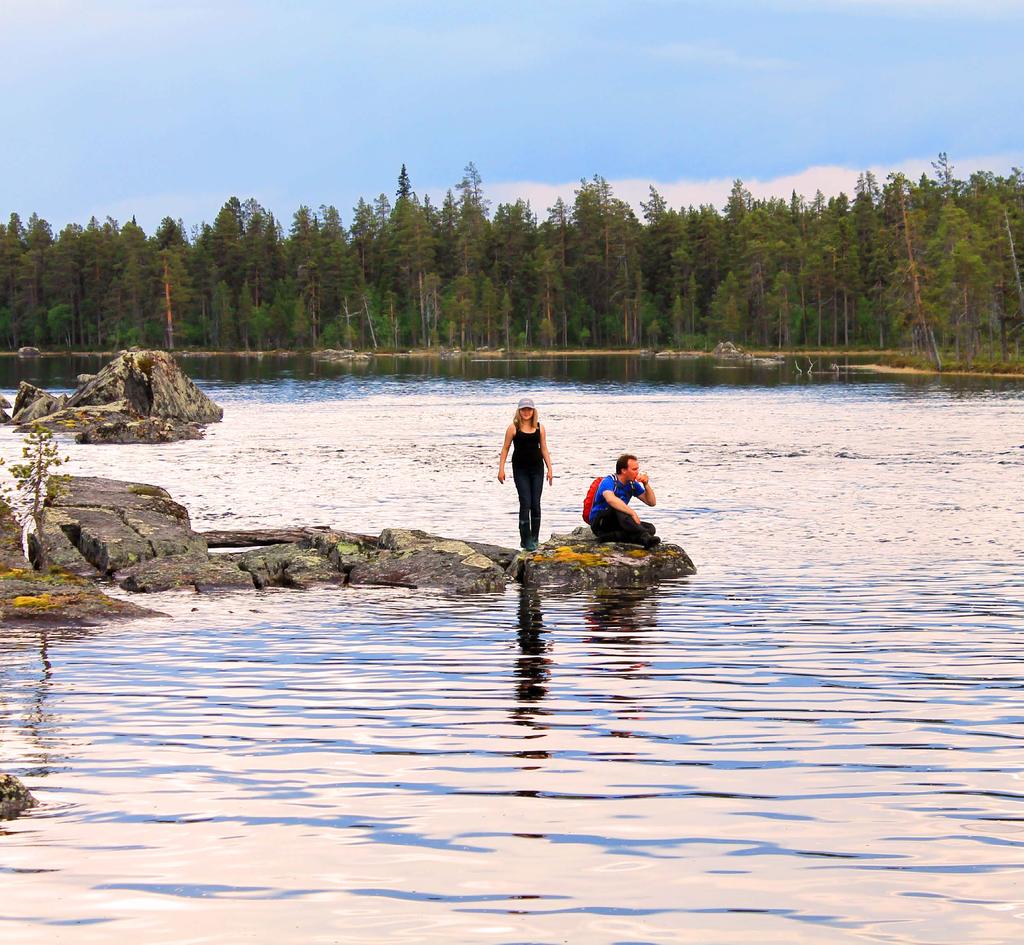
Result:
[52,546]
[114,525]
[125,429]
[727,351]
[678,355]
[15,798]
[137,534]
[53,596]
[139,397]
[342,549]
[399,558]
[408,558]
[152,385]
[202,573]
[31,403]
[27,351]
[288,565]
[116,423]
[30,597]
[578,561]
[341,354]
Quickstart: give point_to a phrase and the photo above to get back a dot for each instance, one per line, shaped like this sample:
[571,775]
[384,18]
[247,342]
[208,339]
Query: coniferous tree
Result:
[933,264]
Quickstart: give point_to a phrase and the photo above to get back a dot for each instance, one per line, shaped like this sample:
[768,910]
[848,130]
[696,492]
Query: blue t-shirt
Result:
[624,490]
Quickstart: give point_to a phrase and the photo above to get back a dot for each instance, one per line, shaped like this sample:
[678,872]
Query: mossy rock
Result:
[29,598]
[580,557]
[14,797]
[580,562]
[35,602]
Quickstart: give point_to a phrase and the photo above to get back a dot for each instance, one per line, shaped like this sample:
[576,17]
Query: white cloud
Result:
[829,179]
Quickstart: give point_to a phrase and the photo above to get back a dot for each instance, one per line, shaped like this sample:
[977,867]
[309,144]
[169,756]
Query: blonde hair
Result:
[517,419]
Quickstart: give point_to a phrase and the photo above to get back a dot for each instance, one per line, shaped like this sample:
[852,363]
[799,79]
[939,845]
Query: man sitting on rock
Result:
[611,518]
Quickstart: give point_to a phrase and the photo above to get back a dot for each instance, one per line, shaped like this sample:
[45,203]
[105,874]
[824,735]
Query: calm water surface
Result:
[815,739]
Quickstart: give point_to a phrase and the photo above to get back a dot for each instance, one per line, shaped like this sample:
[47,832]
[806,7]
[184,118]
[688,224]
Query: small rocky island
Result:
[134,535]
[139,397]
[98,533]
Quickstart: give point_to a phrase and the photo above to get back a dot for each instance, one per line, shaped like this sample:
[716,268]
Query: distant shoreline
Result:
[496,354]
[665,354]
[893,369]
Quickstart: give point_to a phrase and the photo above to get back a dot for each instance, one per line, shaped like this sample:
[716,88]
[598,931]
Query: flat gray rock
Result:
[411,558]
[105,541]
[97,492]
[167,535]
[58,599]
[126,429]
[288,565]
[187,571]
[114,525]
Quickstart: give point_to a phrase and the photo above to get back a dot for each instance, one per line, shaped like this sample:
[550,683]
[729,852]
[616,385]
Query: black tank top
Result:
[526,453]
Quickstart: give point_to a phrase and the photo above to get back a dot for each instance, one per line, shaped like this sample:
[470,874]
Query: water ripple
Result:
[813,740]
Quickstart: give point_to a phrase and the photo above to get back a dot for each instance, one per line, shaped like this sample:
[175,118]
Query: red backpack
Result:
[588,502]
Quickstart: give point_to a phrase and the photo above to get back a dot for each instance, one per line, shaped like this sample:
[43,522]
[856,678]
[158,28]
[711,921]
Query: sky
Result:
[153,108]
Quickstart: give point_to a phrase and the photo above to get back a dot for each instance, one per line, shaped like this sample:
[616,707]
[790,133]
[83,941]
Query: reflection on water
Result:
[287,377]
[347,765]
[533,666]
[814,740]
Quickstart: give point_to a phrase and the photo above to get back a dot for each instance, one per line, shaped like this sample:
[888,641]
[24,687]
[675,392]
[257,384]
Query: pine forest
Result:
[927,266]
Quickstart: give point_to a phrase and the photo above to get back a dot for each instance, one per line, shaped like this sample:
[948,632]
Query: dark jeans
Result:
[529,485]
[613,525]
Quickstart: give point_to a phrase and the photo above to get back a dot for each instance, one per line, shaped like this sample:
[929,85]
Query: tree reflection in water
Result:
[30,716]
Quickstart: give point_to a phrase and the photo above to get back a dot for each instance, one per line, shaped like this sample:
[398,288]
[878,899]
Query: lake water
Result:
[816,739]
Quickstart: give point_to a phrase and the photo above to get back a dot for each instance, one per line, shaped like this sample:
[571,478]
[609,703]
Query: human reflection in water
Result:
[533,667]
[621,625]
[622,618]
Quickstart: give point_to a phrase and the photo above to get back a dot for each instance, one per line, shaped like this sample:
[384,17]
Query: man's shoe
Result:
[531,544]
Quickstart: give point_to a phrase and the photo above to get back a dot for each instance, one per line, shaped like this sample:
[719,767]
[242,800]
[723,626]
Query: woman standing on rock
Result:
[529,457]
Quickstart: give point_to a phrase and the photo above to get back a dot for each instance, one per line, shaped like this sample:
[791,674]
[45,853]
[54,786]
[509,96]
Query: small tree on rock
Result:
[36,484]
